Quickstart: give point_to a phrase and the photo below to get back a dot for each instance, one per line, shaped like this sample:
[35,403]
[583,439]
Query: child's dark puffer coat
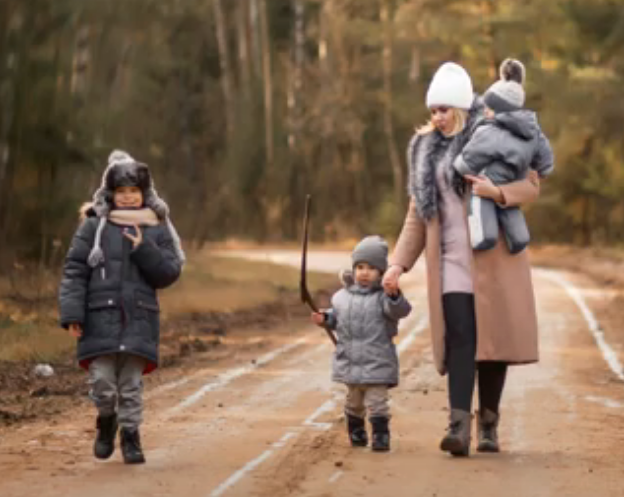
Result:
[116,303]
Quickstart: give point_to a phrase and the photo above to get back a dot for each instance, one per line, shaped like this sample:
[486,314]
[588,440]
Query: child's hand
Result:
[318,318]
[135,239]
[392,293]
[75,330]
[390,280]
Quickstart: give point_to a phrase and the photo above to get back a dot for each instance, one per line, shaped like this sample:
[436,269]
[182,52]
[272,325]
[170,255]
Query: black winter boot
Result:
[381,434]
[487,430]
[357,431]
[457,439]
[131,446]
[104,445]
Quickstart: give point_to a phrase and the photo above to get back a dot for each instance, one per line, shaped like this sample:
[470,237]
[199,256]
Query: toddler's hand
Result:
[393,294]
[75,330]
[318,318]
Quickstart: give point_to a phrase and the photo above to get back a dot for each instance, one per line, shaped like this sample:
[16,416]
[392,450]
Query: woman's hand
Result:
[390,280]
[482,186]
[135,239]
[75,330]
[318,318]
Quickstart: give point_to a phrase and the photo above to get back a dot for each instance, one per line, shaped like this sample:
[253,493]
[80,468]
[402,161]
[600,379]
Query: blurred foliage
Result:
[241,108]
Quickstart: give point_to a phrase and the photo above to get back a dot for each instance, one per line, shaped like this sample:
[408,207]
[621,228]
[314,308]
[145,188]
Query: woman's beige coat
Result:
[504,300]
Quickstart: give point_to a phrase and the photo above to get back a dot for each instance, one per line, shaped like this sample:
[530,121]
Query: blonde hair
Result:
[460,116]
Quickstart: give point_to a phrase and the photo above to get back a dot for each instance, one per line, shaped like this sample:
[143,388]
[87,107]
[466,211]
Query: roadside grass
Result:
[29,330]
[604,264]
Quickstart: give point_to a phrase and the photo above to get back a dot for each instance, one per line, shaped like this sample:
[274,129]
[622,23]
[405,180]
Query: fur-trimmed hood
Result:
[426,152]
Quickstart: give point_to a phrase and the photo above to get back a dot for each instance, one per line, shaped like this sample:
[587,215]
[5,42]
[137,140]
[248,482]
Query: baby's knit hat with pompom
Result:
[507,94]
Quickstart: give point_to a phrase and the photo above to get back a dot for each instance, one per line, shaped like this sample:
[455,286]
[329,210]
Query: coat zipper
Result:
[124,315]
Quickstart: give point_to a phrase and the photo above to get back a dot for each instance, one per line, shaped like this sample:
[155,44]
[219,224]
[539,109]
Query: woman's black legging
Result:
[461,349]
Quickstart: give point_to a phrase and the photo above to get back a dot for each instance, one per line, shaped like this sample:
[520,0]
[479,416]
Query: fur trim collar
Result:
[347,278]
[427,152]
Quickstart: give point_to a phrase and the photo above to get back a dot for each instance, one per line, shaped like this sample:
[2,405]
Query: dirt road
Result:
[267,421]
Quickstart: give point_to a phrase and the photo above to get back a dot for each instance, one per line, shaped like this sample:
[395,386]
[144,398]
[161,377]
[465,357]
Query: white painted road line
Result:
[250,466]
[232,374]
[254,463]
[334,478]
[328,406]
[610,403]
[420,326]
[607,351]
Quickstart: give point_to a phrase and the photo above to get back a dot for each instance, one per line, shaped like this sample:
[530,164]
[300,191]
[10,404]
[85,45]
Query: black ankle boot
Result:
[131,446]
[104,445]
[381,434]
[357,431]
[488,431]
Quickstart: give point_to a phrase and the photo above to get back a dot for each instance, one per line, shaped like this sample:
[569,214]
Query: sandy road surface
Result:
[267,421]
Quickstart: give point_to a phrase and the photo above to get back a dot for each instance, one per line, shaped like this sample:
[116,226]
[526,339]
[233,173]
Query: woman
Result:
[481,304]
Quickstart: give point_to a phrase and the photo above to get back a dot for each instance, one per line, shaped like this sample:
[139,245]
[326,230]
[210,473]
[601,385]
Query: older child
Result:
[366,320]
[505,147]
[125,249]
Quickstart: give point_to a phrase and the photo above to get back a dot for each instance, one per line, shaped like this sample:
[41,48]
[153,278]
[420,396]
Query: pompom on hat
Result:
[450,86]
[123,170]
[507,94]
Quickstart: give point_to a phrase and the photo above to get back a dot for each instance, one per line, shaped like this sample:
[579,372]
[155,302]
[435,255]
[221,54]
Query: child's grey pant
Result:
[371,398]
[116,383]
[484,219]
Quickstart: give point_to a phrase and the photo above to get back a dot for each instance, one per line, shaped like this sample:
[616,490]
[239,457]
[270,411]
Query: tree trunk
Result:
[256,38]
[489,9]
[242,28]
[224,62]
[80,63]
[268,82]
[296,83]
[395,161]
[8,95]
[414,75]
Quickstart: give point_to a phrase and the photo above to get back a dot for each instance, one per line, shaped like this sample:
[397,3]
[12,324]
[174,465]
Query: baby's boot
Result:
[381,434]
[357,431]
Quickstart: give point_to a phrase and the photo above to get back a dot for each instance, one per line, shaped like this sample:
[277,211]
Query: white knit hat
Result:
[450,87]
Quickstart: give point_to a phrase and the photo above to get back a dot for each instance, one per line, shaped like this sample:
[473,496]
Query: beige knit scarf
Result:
[134,217]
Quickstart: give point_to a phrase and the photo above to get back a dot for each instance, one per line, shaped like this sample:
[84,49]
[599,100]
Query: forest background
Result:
[242,107]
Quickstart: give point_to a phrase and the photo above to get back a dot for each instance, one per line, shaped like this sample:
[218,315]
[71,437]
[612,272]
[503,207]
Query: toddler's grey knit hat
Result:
[123,170]
[373,250]
[507,94]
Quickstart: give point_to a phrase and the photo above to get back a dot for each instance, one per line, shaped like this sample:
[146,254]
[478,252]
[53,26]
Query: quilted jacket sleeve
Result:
[396,308]
[544,159]
[76,274]
[479,152]
[158,261]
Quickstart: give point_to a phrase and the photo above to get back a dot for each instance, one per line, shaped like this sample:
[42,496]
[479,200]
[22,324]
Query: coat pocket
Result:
[148,313]
[103,317]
